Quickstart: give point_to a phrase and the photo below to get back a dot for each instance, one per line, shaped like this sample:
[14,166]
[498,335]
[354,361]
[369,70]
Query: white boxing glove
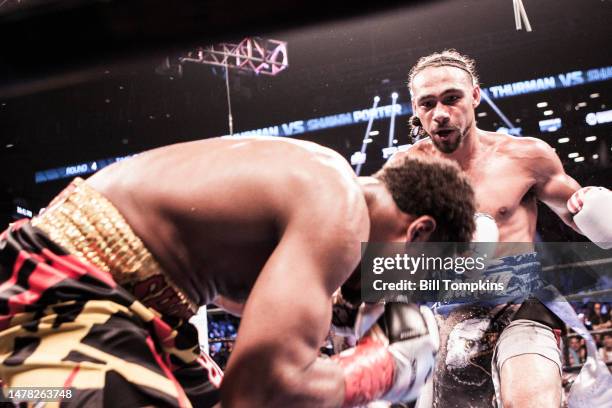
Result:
[414,342]
[592,208]
[486,228]
[486,236]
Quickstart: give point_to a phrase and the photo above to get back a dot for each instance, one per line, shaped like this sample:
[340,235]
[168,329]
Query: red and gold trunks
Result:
[65,321]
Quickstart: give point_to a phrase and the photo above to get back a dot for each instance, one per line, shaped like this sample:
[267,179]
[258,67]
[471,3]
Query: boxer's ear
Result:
[421,229]
[476,96]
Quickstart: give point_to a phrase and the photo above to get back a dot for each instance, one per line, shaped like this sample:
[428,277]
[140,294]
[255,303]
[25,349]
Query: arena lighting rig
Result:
[10,3]
[252,54]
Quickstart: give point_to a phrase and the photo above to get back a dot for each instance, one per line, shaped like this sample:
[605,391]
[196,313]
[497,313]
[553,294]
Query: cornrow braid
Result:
[446,58]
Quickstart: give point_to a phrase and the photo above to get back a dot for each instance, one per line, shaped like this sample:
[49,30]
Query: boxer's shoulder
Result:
[422,148]
[522,145]
[302,160]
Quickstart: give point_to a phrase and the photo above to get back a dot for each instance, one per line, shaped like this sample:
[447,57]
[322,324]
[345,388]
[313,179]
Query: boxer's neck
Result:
[467,151]
[387,221]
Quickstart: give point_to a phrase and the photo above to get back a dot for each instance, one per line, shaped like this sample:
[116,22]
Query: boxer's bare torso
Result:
[509,175]
[271,224]
[212,212]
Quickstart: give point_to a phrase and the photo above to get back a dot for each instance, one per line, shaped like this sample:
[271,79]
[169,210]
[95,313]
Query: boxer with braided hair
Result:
[509,175]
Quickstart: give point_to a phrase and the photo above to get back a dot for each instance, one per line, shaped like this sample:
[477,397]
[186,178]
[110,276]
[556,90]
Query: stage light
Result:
[573,155]
[563,140]
[579,159]
[358,158]
[23,211]
[591,119]
[590,138]
[542,104]
[595,118]
[550,125]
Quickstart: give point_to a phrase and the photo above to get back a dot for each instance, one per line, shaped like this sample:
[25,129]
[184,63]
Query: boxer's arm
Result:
[231,307]
[286,317]
[553,186]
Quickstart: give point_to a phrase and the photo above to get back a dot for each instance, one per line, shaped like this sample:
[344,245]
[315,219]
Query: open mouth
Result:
[445,133]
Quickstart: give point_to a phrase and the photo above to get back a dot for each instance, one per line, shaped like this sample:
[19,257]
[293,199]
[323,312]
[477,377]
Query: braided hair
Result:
[446,58]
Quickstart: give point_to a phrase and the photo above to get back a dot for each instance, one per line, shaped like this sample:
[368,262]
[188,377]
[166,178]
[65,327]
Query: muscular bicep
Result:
[553,186]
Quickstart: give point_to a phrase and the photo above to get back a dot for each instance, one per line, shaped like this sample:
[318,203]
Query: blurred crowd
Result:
[596,318]
[222,331]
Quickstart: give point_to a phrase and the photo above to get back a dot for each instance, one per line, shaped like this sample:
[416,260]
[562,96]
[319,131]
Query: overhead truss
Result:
[258,55]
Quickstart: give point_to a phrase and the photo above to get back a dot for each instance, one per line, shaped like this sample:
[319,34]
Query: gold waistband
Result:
[88,226]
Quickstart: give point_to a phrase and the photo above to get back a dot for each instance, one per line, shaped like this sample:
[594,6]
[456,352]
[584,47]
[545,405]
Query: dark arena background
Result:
[87,83]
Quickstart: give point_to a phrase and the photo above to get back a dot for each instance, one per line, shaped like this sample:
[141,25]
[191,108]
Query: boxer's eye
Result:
[427,104]
[451,99]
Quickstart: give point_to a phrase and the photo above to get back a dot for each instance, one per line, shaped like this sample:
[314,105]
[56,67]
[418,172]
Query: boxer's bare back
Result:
[213,211]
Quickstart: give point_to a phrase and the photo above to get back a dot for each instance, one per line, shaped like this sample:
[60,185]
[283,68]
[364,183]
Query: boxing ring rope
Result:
[594,262]
[221,340]
[215,311]
[594,332]
[571,369]
[592,294]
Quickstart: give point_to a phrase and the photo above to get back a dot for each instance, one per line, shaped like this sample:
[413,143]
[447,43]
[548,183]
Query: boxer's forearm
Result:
[567,218]
[320,384]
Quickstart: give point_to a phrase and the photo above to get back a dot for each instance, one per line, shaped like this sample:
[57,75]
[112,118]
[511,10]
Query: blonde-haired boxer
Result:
[95,292]
[509,175]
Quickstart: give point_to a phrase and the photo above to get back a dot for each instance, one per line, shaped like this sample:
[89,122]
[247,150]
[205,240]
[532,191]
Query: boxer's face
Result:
[444,99]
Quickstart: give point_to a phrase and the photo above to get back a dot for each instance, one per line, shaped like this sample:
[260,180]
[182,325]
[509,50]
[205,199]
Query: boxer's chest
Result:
[500,186]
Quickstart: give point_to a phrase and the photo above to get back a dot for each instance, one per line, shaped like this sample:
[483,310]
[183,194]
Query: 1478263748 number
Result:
[42,394]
